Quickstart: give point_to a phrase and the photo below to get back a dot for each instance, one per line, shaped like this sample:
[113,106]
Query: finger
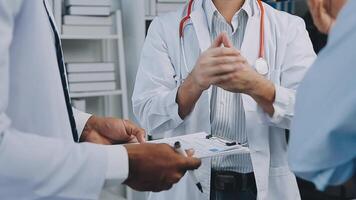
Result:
[217,42]
[221,69]
[223,51]
[190,152]
[133,139]
[191,163]
[226,60]
[226,40]
[221,79]
[137,132]
[141,135]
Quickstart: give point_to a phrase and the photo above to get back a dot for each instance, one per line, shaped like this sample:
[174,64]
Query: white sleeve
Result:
[154,97]
[117,159]
[36,167]
[81,119]
[299,56]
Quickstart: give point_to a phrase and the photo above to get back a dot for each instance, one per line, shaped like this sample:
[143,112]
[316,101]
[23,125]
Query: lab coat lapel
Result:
[250,48]
[200,23]
[48,9]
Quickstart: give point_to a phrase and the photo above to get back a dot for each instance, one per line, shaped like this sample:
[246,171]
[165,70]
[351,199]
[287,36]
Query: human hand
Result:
[244,79]
[156,167]
[110,131]
[322,18]
[214,62]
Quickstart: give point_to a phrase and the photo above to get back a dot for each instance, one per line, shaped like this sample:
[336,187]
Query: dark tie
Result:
[63,76]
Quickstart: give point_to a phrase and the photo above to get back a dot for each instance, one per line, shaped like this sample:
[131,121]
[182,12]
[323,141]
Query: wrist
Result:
[191,83]
[132,156]
[263,89]
[90,125]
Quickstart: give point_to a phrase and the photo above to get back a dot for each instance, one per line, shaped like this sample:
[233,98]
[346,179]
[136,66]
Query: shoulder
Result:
[282,18]
[282,22]
[167,23]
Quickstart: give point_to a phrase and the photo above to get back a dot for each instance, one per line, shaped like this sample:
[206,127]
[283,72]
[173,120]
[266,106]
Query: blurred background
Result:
[102,55]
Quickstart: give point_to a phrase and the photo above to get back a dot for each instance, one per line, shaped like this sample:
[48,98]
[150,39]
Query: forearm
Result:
[55,162]
[187,96]
[264,93]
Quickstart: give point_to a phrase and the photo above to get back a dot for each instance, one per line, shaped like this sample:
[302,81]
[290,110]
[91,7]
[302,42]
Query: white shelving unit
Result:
[89,37]
[111,46]
[101,48]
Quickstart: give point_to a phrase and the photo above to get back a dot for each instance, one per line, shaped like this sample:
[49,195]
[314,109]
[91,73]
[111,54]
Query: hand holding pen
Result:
[178,148]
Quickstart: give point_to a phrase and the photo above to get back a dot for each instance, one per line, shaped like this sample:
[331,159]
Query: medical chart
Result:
[205,147]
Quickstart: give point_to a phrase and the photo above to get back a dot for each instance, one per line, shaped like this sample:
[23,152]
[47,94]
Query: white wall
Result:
[134,36]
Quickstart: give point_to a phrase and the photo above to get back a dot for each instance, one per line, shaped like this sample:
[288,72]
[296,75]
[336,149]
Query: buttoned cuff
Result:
[172,106]
[118,163]
[167,106]
[81,119]
[283,108]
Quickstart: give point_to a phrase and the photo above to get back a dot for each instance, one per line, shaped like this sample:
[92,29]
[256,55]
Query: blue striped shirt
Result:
[227,111]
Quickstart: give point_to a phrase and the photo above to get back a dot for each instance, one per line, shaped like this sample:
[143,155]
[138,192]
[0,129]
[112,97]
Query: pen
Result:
[178,148]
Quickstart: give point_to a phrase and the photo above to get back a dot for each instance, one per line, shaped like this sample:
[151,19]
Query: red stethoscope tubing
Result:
[262,30]
[262,26]
[186,18]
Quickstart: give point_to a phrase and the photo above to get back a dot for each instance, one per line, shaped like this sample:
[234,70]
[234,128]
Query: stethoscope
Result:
[261,65]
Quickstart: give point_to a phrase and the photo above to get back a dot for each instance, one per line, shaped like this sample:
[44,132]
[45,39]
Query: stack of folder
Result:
[91,77]
[87,17]
[157,7]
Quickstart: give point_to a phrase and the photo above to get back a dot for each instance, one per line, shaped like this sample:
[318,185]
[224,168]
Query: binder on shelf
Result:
[90,67]
[91,77]
[171,1]
[87,3]
[87,20]
[92,86]
[89,10]
[86,30]
[168,7]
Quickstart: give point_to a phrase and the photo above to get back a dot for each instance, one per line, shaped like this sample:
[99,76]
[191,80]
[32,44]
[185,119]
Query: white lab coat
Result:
[38,157]
[289,53]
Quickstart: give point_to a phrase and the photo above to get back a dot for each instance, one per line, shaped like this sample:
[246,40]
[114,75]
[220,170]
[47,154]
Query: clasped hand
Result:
[225,67]
[109,131]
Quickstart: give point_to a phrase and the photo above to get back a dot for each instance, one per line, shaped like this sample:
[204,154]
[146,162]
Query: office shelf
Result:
[94,94]
[112,50]
[89,37]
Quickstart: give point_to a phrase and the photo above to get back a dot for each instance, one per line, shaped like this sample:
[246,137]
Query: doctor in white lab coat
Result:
[288,52]
[38,157]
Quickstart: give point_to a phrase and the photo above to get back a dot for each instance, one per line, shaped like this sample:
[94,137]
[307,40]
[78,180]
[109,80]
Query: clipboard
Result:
[206,146]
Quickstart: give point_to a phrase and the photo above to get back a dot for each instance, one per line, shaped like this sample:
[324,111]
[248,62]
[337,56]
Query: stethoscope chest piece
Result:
[261,66]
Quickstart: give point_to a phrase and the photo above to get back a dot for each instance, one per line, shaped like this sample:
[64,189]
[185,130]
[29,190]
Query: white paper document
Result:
[204,147]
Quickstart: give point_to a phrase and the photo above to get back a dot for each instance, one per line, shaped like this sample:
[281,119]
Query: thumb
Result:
[226,40]
[222,39]
[192,163]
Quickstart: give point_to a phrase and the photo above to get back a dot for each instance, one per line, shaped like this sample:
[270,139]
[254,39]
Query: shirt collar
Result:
[210,10]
